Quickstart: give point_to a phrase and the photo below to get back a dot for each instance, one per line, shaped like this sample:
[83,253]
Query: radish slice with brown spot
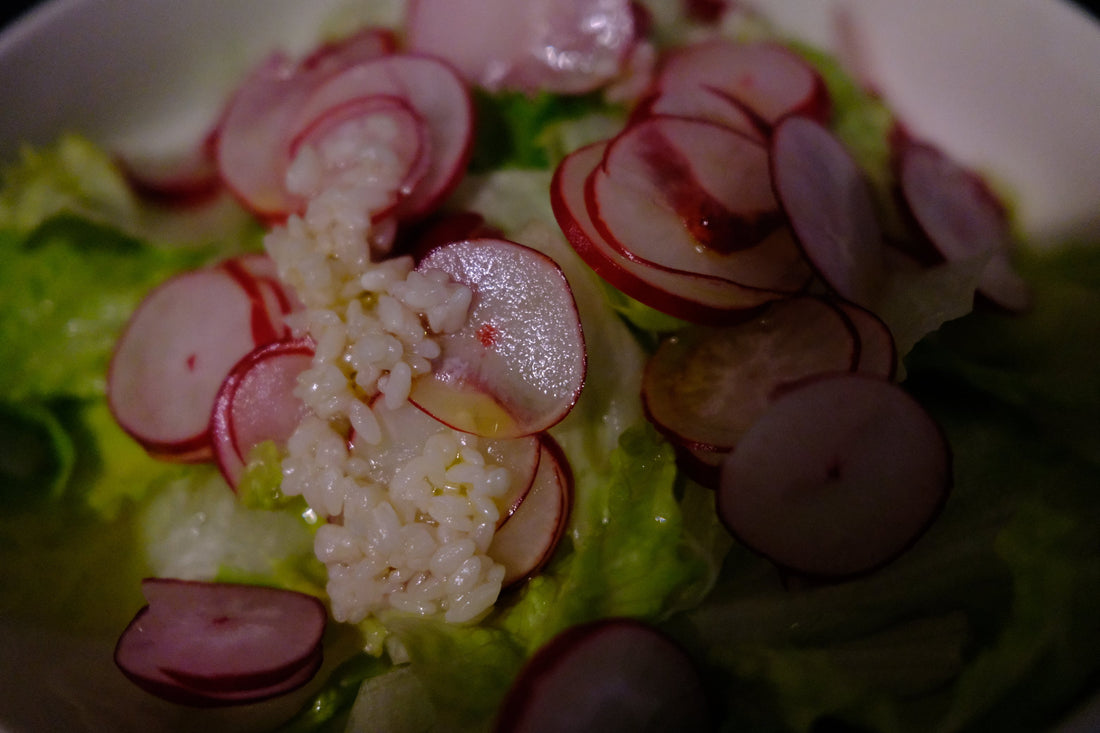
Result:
[830,208]
[766,78]
[526,542]
[518,365]
[174,354]
[705,386]
[687,296]
[202,643]
[609,675]
[256,403]
[960,217]
[839,476]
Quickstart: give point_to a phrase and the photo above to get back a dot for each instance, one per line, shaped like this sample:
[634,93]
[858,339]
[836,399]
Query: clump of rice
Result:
[418,541]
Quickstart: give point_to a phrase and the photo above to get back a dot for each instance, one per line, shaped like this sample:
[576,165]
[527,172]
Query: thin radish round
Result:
[173,355]
[878,353]
[837,477]
[683,194]
[705,104]
[256,402]
[607,676]
[687,296]
[704,386]
[766,78]
[525,543]
[518,365]
[960,217]
[830,207]
[202,643]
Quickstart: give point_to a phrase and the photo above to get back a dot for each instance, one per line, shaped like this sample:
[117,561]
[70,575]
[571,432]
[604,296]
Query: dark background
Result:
[11,9]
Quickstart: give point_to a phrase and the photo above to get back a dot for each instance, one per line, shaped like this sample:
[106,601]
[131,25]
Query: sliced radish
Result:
[840,475]
[364,44]
[960,217]
[187,178]
[203,643]
[403,431]
[703,104]
[690,297]
[766,78]
[258,274]
[518,365]
[347,132]
[830,207]
[609,675]
[560,46]
[681,193]
[525,543]
[256,403]
[878,353]
[432,89]
[172,357]
[705,386]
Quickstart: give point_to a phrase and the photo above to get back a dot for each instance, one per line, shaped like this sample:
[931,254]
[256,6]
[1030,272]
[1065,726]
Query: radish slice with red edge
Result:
[380,121]
[526,542]
[208,644]
[365,44]
[256,403]
[403,431]
[703,104]
[683,295]
[609,675]
[517,366]
[768,79]
[431,88]
[960,217]
[840,475]
[174,354]
[705,386]
[830,208]
[558,46]
[878,354]
[186,179]
[680,193]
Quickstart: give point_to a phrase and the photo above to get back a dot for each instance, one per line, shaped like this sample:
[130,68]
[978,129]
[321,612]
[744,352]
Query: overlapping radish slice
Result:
[518,365]
[830,208]
[256,403]
[705,386]
[187,177]
[680,193]
[175,352]
[527,540]
[684,295]
[704,104]
[959,217]
[877,351]
[561,46]
[610,675]
[433,90]
[766,79]
[403,431]
[211,644]
[349,131]
[837,477]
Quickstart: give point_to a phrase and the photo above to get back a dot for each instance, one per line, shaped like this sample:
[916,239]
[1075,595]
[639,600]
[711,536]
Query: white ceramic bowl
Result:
[1010,86]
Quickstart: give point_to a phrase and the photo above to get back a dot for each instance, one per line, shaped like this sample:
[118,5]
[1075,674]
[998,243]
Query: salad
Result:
[572,344]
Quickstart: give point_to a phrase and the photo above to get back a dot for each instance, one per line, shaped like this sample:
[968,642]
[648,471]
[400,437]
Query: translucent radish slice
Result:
[405,429]
[518,365]
[683,194]
[526,542]
[703,103]
[256,403]
[174,354]
[561,46]
[428,86]
[839,476]
[960,217]
[363,45]
[609,675]
[878,353]
[690,297]
[205,643]
[830,208]
[766,78]
[381,128]
[705,386]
